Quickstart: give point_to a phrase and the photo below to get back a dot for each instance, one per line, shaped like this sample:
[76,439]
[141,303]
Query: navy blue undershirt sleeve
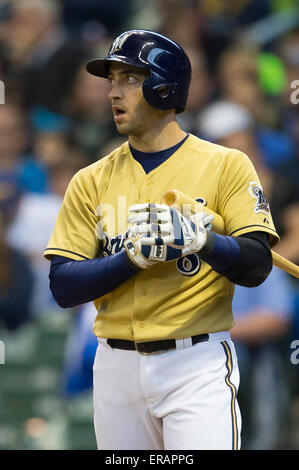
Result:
[225,253]
[77,282]
[245,260]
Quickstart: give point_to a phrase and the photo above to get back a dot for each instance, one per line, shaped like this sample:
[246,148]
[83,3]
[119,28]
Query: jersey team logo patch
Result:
[256,191]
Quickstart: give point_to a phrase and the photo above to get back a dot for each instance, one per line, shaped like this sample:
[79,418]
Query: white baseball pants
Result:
[178,399]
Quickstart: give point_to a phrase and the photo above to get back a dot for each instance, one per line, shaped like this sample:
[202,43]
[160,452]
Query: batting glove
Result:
[144,254]
[164,225]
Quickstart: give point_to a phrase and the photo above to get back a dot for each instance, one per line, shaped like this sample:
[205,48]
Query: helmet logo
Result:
[165,90]
[119,42]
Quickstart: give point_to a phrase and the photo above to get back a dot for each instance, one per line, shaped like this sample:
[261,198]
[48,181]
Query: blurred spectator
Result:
[223,21]
[10,196]
[257,81]
[232,126]
[224,117]
[15,161]
[52,137]
[38,54]
[13,137]
[115,20]
[77,376]
[200,92]
[288,48]
[62,172]
[263,318]
[51,147]
[31,228]
[239,81]
[174,15]
[16,285]
[89,110]
[232,13]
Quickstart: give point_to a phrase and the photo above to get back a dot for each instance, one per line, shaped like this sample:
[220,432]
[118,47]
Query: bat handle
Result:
[285,264]
[187,205]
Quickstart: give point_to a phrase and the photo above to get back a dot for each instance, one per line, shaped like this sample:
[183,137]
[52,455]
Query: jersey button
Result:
[141,324]
[149,183]
[145,292]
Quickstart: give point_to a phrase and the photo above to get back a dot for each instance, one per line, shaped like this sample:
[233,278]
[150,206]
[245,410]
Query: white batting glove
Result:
[144,255]
[163,225]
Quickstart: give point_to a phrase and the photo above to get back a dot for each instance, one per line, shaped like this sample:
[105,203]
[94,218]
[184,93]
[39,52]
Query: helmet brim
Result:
[100,67]
[97,67]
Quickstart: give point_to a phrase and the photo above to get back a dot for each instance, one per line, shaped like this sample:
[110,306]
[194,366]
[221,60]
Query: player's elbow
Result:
[62,300]
[60,294]
[255,276]
[254,265]
[252,272]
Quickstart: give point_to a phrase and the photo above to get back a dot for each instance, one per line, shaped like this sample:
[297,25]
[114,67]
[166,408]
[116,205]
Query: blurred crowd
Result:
[56,119]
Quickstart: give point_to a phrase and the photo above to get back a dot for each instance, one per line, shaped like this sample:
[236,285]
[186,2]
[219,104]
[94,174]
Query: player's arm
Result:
[244,260]
[77,282]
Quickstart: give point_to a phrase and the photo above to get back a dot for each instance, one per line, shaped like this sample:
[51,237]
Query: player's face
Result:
[131,112]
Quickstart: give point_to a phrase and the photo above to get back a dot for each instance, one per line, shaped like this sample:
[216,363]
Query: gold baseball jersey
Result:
[176,299]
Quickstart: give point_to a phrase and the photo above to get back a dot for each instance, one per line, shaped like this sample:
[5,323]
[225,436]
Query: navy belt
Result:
[152,346]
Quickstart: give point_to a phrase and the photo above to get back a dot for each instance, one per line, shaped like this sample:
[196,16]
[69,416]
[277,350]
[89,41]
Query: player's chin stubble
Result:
[139,121]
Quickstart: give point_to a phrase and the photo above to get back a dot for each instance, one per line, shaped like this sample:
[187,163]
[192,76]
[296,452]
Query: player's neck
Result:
[157,139]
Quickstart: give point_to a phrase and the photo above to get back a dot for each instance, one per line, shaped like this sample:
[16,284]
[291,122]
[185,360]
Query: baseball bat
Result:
[187,205]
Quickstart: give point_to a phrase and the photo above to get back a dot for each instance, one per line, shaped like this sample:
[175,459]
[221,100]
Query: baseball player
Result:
[165,371]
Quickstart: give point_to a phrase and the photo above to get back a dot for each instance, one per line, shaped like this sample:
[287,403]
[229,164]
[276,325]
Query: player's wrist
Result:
[130,261]
[209,244]
[134,254]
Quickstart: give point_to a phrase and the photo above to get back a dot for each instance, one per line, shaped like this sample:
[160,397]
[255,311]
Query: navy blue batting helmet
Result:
[170,70]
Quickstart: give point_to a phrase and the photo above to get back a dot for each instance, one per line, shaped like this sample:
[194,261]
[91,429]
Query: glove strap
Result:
[150,256]
[135,256]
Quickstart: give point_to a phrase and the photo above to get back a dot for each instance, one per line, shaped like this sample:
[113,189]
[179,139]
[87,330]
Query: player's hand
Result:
[144,255]
[163,225]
